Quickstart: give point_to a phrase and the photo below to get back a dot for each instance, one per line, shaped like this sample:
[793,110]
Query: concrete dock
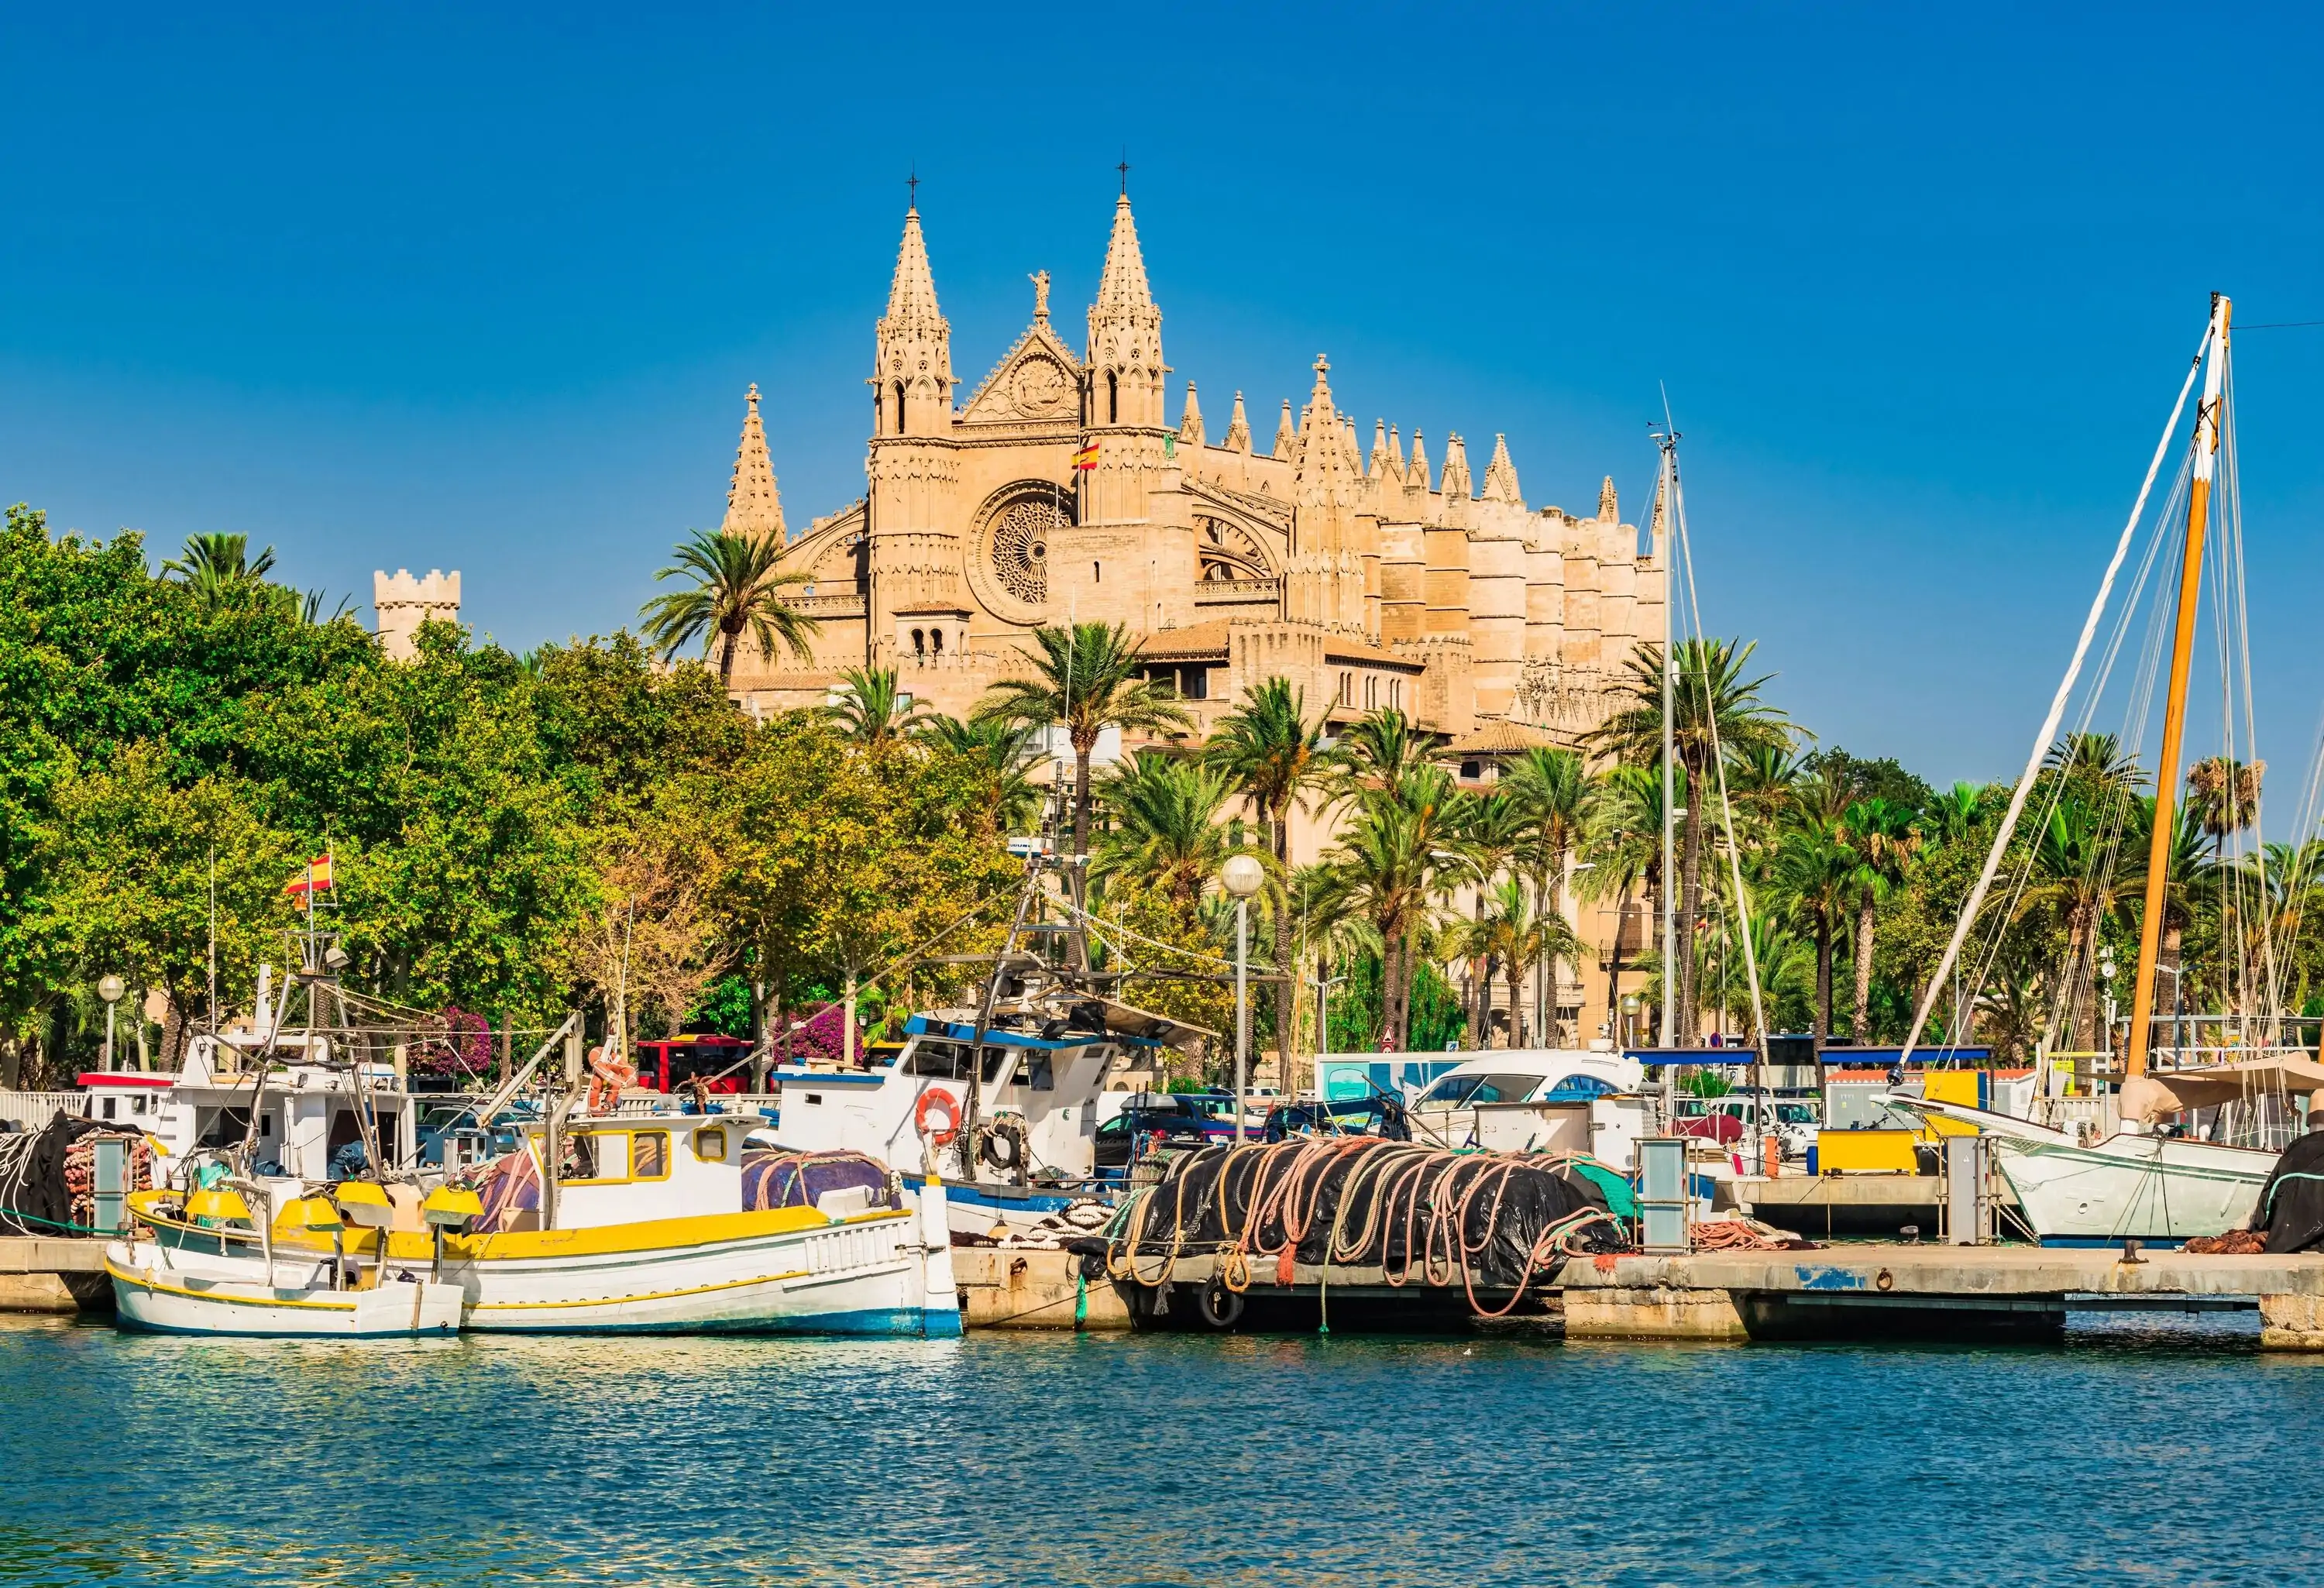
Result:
[1949,1292]
[48,1273]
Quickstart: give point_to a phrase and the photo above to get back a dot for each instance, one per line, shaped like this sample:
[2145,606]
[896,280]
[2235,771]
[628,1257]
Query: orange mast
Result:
[2175,710]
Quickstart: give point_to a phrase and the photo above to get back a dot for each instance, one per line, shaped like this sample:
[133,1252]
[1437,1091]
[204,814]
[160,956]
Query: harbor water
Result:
[2137,1452]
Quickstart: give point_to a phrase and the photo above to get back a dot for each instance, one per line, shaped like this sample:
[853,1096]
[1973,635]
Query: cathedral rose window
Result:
[1021,549]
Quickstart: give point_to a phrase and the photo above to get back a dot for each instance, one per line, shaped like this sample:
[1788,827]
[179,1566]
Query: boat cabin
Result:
[627,1168]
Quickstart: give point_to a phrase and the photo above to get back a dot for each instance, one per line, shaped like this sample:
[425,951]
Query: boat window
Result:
[580,1155]
[1038,1074]
[947,1061]
[994,1057]
[1579,1089]
[224,1128]
[650,1155]
[710,1144]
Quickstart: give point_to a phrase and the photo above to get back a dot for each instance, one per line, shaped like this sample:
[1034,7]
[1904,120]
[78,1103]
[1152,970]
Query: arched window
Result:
[899,408]
[920,643]
[1112,400]
[1096,573]
[935,639]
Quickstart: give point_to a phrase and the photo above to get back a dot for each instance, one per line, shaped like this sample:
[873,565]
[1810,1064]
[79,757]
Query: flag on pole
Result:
[1087,459]
[317,875]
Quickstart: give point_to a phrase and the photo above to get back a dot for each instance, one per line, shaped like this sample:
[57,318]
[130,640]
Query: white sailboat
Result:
[2144,1180]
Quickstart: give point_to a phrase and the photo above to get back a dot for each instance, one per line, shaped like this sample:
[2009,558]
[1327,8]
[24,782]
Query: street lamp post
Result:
[110,988]
[1242,875]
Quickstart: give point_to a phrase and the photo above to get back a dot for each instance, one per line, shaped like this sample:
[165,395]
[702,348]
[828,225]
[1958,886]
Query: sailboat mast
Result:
[2175,710]
[1666,488]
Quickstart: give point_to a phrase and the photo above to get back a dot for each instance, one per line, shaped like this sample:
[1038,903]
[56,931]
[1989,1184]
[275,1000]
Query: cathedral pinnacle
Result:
[1455,483]
[754,508]
[1123,367]
[1323,479]
[912,294]
[1386,464]
[1609,511]
[1285,435]
[1501,476]
[1417,475]
[1239,428]
[911,375]
[1190,425]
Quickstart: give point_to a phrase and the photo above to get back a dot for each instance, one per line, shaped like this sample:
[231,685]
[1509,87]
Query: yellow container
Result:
[1865,1152]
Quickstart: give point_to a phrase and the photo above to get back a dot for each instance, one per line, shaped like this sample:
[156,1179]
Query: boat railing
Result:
[638,1102]
[32,1110]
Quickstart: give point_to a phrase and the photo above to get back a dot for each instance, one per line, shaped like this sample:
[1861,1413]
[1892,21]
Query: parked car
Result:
[1195,1119]
[1344,1116]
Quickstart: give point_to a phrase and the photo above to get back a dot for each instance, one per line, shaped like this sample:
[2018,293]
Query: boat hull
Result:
[160,1292]
[2131,1187]
[868,1276]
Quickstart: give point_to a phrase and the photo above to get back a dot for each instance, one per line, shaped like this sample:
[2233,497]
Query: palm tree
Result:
[1488,841]
[1551,789]
[2074,878]
[1376,750]
[2223,793]
[1881,835]
[2096,761]
[1814,876]
[1510,932]
[1954,815]
[1386,869]
[1005,752]
[1276,756]
[873,711]
[738,589]
[1624,847]
[1084,679]
[216,566]
[1718,711]
[1164,831]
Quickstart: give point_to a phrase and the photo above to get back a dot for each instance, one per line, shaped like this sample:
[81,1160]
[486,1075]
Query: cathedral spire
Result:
[1124,354]
[1190,424]
[912,383]
[1323,479]
[754,508]
[1609,509]
[1417,474]
[1501,476]
[1239,428]
[1285,435]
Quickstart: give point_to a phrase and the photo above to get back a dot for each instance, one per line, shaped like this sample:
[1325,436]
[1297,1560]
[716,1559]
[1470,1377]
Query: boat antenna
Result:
[2048,732]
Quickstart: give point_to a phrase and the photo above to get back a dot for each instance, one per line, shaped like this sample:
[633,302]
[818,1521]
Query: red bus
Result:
[669,1063]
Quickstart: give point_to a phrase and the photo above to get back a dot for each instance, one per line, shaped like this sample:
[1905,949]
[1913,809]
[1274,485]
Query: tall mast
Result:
[2175,710]
[1666,491]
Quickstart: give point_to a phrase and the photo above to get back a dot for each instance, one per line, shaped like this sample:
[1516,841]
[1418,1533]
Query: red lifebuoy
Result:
[936,1100]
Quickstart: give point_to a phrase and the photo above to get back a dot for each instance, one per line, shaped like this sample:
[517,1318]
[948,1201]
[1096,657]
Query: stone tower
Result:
[404,603]
[910,549]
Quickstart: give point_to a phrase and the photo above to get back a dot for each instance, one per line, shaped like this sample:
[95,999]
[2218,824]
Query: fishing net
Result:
[48,1177]
[774,1177]
[1498,1221]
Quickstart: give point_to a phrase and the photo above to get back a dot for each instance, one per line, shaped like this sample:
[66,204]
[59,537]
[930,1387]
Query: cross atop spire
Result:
[912,186]
[1124,168]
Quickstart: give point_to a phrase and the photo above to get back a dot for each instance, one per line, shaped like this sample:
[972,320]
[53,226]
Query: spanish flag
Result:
[317,875]
[1086,457]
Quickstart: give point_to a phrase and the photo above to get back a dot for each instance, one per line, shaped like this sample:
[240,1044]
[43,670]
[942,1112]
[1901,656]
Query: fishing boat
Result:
[642,1228]
[2145,1179]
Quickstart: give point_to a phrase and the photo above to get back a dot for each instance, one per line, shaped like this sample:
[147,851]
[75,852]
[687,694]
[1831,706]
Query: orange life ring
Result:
[934,1100]
[608,1077]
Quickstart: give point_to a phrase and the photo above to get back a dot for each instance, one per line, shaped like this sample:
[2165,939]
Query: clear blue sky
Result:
[400,287]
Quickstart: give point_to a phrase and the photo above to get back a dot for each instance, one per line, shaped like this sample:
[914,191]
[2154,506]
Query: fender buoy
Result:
[1220,1306]
[936,1100]
[1004,1145]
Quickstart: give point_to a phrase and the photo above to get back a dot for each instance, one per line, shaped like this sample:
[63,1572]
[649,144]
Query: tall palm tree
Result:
[1881,836]
[1551,788]
[2096,761]
[1717,711]
[2076,881]
[873,711]
[1510,932]
[1488,842]
[1954,815]
[1005,750]
[1386,869]
[1275,756]
[1084,679]
[1376,750]
[1624,848]
[738,584]
[1816,883]
[1165,832]
[216,566]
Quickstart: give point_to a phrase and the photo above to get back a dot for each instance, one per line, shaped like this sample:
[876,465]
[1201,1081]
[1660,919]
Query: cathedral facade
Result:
[1056,490]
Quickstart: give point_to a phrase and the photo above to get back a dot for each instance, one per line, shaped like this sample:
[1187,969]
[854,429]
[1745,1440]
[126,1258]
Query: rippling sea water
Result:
[2128,1455]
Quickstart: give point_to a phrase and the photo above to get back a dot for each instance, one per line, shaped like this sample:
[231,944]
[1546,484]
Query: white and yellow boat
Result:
[643,1231]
